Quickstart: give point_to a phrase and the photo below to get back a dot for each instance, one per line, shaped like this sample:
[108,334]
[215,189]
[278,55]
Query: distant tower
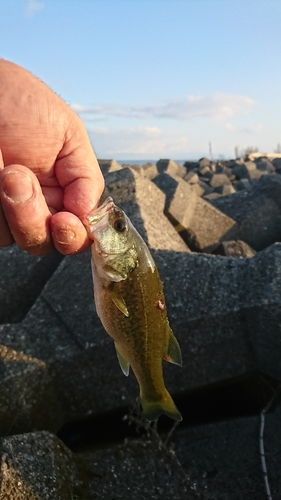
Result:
[210,150]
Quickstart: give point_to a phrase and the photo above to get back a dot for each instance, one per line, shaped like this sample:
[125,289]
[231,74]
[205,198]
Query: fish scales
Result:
[141,292]
[131,305]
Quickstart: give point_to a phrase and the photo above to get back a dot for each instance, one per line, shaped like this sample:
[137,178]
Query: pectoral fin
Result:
[124,364]
[173,354]
[118,300]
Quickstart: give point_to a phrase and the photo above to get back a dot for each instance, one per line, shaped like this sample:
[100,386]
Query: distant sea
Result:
[142,162]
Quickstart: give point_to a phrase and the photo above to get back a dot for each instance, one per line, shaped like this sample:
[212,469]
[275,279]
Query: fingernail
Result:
[18,186]
[64,236]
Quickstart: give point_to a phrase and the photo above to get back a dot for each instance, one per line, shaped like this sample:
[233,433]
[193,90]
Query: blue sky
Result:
[157,78]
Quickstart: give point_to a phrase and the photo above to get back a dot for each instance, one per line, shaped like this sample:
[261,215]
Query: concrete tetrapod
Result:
[225,313]
[218,460]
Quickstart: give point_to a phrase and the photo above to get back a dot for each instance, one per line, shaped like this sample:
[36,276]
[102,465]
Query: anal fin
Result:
[124,364]
[173,354]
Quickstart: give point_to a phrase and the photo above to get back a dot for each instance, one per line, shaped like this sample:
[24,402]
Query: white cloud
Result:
[32,6]
[254,129]
[251,129]
[230,126]
[216,106]
[137,142]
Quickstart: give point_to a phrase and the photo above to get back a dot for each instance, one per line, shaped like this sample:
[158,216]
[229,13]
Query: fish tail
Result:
[165,406]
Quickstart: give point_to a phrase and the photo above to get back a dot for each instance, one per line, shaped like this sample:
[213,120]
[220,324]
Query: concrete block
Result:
[234,248]
[223,169]
[237,161]
[181,171]
[203,183]
[191,177]
[108,166]
[250,165]
[225,312]
[257,212]
[227,317]
[28,396]
[144,203]
[202,227]
[149,170]
[171,167]
[225,189]
[219,180]
[181,204]
[242,184]
[198,189]
[277,165]
[191,165]
[212,196]
[204,162]
[138,469]
[265,165]
[208,227]
[222,460]
[224,316]
[241,171]
[37,466]
[205,172]
[255,175]
[58,364]
[22,277]
[167,183]
[217,460]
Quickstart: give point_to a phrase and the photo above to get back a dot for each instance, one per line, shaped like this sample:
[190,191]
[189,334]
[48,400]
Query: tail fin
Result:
[164,406]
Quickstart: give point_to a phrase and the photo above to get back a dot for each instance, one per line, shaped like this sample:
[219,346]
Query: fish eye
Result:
[120,225]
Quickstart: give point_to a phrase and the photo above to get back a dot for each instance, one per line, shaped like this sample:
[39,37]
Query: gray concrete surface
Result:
[57,364]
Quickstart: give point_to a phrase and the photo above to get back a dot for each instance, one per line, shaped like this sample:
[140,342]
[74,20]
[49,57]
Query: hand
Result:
[49,174]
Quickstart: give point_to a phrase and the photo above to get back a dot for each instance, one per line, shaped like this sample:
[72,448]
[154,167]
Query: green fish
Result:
[131,305]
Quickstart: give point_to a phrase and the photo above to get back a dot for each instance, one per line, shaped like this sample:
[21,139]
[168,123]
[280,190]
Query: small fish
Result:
[130,302]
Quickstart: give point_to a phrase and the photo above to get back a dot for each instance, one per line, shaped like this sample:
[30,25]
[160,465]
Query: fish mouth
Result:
[97,221]
[98,218]
[101,211]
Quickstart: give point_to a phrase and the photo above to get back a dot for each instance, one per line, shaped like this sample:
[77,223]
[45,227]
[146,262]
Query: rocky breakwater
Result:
[214,230]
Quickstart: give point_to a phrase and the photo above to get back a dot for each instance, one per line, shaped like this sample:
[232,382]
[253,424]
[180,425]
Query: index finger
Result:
[78,171]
